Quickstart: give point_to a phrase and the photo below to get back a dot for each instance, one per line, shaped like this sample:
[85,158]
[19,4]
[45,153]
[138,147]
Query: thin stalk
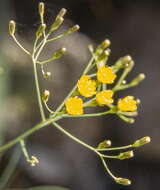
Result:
[38,91]
[22,143]
[29,132]
[90,115]
[17,42]
[116,148]
[75,138]
[106,167]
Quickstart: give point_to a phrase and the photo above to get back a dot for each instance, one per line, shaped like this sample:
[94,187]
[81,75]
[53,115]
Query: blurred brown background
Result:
[133,28]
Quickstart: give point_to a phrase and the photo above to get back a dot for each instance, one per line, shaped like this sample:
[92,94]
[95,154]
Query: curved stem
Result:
[17,42]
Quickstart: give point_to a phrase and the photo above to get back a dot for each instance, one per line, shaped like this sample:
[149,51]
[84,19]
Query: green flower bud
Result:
[12,27]
[141,142]
[126,155]
[61,13]
[45,96]
[138,79]
[41,9]
[75,28]
[123,181]
[57,23]
[58,54]
[104,144]
[40,31]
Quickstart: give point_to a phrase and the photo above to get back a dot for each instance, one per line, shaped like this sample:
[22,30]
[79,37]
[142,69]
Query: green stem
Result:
[28,132]
[106,167]
[38,91]
[115,148]
[90,114]
[17,42]
[22,143]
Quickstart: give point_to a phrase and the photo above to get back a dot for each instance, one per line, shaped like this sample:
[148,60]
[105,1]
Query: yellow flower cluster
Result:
[74,106]
[127,104]
[104,97]
[106,75]
[86,86]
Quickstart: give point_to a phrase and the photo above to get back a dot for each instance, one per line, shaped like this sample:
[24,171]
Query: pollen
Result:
[127,104]
[86,86]
[104,97]
[74,106]
[106,75]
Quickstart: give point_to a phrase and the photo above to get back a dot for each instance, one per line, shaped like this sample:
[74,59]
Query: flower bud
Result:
[41,9]
[126,155]
[58,54]
[12,27]
[75,28]
[57,23]
[104,144]
[46,74]
[141,142]
[40,31]
[104,55]
[45,96]
[123,181]
[138,79]
[61,13]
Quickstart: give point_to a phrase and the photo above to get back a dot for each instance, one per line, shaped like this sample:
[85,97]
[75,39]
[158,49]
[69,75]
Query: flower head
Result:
[127,104]
[106,75]
[74,106]
[104,97]
[86,86]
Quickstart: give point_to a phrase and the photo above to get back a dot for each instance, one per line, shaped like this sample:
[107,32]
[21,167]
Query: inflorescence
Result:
[96,87]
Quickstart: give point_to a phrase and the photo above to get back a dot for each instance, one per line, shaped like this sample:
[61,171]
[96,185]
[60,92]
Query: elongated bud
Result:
[99,50]
[141,142]
[123,181]
[127,119]
[138,79]
[57,23]
[41,9]
[104,55]
[105,44]
[45,96]
[12,27]
[58,54]
[61,13]
[40,31]
[127,58]
[104,144]
[126,155]
[75,28]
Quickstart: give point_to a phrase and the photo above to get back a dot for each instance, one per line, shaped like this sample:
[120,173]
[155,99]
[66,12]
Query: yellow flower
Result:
[104,97]
[86,86]
[127,104]
[106,75]
[74,106]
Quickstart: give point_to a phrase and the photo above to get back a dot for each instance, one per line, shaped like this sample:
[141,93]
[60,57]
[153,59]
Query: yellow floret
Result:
[106,75]
[127,104]
[104,97]
[74,106]
[86,86]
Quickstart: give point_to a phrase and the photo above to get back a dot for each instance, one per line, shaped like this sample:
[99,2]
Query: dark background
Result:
[133,28]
